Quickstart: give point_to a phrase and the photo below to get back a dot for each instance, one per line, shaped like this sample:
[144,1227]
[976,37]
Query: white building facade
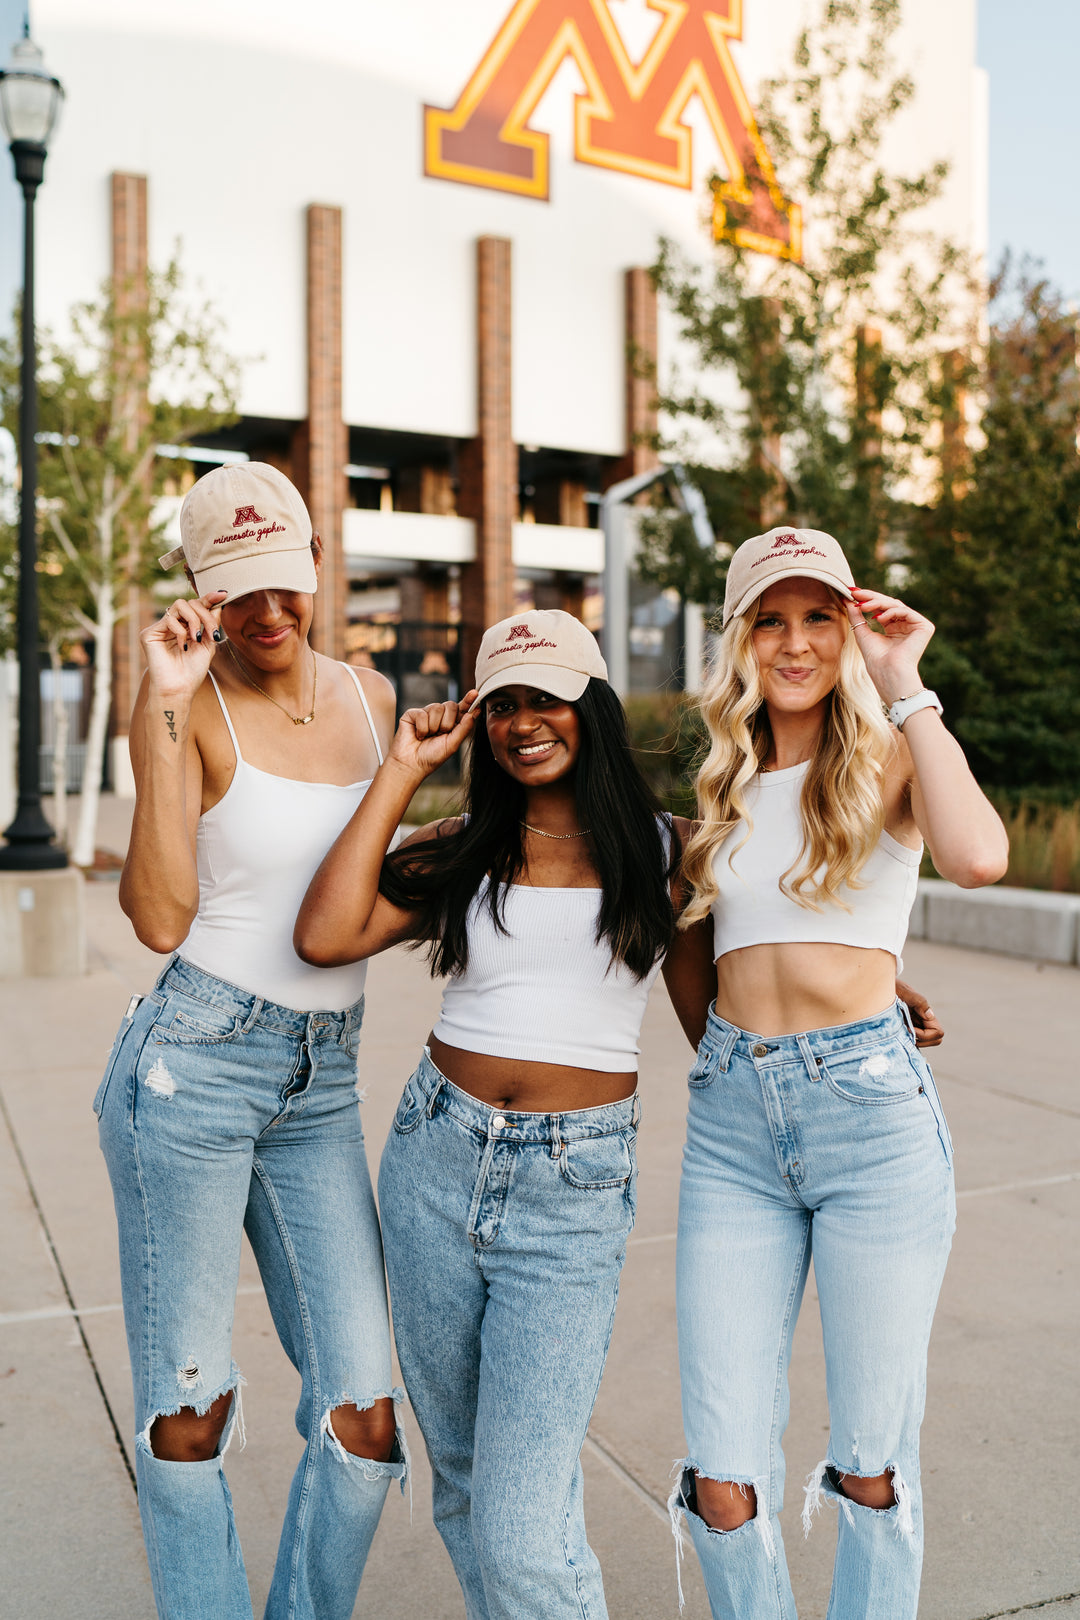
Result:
[425,227]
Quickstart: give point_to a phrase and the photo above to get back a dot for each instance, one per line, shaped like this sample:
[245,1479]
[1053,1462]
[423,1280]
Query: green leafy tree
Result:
[819,381]
[996,563]
[144,365]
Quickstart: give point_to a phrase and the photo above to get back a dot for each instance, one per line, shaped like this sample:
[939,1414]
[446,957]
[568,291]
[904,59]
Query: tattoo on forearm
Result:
[171,721]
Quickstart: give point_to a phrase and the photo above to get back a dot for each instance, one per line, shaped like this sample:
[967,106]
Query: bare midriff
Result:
[526,1087]
[784,989]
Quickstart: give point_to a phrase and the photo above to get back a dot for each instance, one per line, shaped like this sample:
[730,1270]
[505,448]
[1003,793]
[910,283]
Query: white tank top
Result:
[256,851]
[545,991]
[752,909]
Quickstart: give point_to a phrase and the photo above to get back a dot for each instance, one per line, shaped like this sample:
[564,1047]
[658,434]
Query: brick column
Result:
[326,438]
[488,463]
[639,378]
[128,265]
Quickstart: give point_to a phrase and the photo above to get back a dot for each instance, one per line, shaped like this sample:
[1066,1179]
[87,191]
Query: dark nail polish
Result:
[219,635]
[198,635]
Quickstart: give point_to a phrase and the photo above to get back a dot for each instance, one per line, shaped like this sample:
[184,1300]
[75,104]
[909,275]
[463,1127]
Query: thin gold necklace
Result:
[297,719]
[540,833]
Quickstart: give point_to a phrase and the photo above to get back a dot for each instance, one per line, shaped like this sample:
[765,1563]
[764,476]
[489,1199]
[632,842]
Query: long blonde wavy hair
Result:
[842,803]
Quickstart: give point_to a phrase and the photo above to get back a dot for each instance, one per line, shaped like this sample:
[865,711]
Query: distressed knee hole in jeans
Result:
[822,1487]
[683,1499]
[397,1466]
[187,1377]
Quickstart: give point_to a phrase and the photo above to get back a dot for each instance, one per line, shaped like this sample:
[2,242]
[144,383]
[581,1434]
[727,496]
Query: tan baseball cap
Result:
[245,528]
[783,554]
[550,650]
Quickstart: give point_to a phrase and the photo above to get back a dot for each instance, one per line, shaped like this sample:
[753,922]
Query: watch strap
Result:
[904,708]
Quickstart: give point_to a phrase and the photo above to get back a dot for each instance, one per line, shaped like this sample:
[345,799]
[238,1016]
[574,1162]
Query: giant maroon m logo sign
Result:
[629,118]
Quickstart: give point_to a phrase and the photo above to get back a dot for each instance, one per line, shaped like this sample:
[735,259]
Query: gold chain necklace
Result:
[297,719]
[540,833]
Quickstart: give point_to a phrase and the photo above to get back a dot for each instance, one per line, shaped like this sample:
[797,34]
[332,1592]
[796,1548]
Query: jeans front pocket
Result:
[704,1071]
[883,1073]
[597,1162]
[410,1110]
[183,1021]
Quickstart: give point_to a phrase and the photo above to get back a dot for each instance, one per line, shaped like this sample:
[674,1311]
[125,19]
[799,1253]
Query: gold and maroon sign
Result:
[630,117]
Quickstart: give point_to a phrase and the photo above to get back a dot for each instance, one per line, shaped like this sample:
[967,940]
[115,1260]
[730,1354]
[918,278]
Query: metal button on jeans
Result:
[498,1123]
[760,1050]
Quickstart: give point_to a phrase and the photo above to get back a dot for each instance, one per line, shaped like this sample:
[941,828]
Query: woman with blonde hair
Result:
[814,1128]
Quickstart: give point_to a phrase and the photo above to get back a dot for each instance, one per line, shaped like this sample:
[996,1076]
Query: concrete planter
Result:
[1016,922]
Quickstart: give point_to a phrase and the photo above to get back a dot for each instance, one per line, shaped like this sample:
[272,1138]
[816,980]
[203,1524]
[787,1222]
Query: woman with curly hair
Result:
[815,1130]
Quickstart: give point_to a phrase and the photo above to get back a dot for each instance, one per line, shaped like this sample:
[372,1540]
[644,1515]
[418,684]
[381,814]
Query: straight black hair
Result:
[440,877]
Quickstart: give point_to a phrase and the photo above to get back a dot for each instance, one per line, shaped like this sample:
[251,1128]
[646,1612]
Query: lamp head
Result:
[30,101]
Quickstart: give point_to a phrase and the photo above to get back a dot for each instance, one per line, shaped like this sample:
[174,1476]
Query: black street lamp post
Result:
[29,106]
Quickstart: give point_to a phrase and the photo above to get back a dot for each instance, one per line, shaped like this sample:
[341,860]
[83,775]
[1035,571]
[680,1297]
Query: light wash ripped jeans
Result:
[505,1233]
[221,1112]
[831,1144]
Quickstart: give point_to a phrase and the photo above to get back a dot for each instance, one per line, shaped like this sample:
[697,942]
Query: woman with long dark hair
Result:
[507,1181]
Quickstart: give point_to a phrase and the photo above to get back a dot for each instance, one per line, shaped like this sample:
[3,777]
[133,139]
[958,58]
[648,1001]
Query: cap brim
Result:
[271,571]
[760,586]
[567,684]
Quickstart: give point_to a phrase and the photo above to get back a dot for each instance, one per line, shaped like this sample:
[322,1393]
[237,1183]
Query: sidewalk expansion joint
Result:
[632,1483]
[1009,1096]
[47,1234]
[1030,1608]
[47,1313]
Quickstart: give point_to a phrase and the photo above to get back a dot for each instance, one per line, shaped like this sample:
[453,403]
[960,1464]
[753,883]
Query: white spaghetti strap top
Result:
[371,724]
[256,851]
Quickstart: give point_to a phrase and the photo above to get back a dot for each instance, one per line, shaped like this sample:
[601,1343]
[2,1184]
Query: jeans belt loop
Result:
[433,1099]
[635,1112]
[905,1012]
[808,1057]
[556,1145]
[727,1049]
[253,1015]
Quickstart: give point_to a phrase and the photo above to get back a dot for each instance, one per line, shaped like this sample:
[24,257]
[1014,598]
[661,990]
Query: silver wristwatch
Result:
[903,708]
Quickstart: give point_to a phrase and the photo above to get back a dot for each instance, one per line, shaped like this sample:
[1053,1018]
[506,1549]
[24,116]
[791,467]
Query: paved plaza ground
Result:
[1000,1438]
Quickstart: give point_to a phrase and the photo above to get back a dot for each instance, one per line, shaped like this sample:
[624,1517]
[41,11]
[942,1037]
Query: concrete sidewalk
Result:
[999,1439]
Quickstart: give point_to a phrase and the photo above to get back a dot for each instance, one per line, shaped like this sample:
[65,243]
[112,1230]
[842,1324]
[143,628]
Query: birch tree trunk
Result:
[105,618]
[60,744]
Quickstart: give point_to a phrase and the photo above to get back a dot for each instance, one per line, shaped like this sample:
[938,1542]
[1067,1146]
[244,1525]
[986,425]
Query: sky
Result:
[1031,51]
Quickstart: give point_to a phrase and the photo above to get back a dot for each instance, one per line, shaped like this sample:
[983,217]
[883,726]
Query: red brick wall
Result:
[326,440]
[488,465]
[639,384]
[129,256]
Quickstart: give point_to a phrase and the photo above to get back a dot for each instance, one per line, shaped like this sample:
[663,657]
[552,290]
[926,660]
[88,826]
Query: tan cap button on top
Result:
[760,1050]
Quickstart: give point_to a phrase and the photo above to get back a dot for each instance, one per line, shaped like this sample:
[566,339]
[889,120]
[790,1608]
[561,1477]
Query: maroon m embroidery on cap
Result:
[246,514]
[520,632]
[783,540]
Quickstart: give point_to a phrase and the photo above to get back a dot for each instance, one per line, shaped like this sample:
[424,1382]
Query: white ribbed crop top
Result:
[752,909]
[256,851]
[545,991]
